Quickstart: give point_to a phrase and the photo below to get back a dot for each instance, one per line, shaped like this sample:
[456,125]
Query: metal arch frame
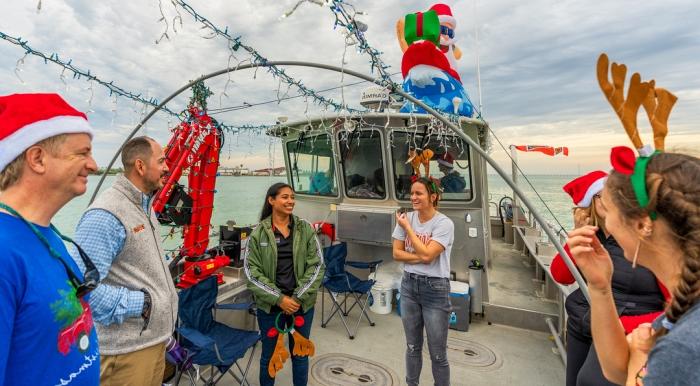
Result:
[550,234]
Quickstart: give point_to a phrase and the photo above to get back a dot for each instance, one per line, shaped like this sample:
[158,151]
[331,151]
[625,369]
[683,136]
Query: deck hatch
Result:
[467,353]
[370,225]
[343,369]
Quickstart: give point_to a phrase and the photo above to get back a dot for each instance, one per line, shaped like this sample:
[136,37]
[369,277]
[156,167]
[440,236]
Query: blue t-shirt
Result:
[47,335]
[675,358]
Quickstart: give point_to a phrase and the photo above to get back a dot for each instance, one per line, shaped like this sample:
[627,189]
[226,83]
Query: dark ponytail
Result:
[272,192]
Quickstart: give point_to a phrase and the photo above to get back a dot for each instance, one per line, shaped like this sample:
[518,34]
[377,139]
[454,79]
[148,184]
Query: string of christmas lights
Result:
[356,28]
[236,44]
[79,73]
[114,90]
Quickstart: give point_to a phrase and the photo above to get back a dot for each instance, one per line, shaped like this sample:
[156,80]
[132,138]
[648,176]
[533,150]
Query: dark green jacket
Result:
[260,264]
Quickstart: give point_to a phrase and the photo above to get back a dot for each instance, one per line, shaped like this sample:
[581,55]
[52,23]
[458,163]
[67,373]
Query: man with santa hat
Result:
[452,181]
[46,330]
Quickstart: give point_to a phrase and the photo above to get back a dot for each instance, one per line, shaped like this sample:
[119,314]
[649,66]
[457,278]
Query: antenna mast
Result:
[478,66]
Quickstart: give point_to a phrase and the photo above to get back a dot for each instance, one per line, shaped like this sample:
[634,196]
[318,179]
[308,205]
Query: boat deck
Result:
[484,355]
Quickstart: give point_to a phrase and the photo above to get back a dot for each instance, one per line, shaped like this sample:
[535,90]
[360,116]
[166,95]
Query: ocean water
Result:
[236,198]
[241,199]
[547,197]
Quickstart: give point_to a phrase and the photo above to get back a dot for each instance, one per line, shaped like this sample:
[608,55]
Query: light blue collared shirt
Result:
[102,237]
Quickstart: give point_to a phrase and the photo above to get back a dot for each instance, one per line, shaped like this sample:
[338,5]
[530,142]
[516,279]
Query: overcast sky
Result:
[537,65]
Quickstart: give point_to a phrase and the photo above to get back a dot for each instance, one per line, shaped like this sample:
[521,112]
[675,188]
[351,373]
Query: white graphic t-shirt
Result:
[440,229]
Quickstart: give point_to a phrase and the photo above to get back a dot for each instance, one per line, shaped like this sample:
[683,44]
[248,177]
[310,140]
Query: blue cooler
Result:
[459,297]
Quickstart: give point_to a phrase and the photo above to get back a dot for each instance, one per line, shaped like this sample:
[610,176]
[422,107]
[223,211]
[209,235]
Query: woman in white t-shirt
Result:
[423,241]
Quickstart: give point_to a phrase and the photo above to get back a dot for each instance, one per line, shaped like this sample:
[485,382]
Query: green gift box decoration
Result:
[422,26]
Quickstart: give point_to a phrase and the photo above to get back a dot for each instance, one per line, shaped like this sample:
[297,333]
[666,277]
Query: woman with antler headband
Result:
[638,296]
[423,242]
[652,207]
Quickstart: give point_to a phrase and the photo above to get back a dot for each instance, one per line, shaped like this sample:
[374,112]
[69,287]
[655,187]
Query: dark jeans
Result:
[591,374]
[582,366]
[577,348]
[425,302]
[300,365]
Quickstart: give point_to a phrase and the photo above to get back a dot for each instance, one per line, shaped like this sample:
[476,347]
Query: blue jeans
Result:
[425,302]
[300,365]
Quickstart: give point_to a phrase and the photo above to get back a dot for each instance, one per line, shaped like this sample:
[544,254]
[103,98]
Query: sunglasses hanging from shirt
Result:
[92,275]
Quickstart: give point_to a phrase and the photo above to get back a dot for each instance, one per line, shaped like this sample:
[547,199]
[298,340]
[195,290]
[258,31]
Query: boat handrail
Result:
[393,88]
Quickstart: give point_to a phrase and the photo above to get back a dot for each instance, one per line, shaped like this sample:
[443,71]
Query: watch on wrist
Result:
[146,311]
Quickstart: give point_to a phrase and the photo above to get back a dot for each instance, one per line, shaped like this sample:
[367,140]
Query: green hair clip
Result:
[639,183]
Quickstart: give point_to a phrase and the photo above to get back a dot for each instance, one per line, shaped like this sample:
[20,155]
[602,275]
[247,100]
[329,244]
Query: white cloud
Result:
[537,64]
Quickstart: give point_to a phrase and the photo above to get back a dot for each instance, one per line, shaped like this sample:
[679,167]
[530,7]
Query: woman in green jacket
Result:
[284,266]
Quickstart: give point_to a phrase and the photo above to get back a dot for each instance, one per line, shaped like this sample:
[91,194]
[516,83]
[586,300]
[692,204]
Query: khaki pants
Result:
[140,368]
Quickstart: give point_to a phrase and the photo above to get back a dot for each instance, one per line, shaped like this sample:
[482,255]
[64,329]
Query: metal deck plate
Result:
[343,369]
[466,353]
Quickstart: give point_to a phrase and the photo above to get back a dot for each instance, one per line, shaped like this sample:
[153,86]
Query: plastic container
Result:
[460,299]
[381,299]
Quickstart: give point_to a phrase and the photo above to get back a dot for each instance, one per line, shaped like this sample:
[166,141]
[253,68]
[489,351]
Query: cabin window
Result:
[311,165]
[449,164]
[363,167]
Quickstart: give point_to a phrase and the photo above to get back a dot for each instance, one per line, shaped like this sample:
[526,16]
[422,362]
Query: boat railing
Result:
[447,121]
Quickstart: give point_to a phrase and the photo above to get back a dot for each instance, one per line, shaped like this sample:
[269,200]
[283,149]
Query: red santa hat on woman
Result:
[26,119]
[582,189]
[444,14]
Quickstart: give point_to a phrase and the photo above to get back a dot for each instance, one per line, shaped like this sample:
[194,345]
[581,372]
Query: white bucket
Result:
[381,296]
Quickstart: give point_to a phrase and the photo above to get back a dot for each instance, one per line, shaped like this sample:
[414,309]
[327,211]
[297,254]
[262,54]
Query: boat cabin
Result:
[352,172]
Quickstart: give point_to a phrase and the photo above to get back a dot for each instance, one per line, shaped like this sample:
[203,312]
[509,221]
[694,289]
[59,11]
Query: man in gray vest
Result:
[135,304]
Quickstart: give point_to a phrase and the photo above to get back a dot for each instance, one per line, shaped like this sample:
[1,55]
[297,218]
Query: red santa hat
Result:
[444,14]
[582,189]
[26,119]
[446,160]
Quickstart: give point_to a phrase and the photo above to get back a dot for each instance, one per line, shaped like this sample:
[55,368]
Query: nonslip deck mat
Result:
[343,369]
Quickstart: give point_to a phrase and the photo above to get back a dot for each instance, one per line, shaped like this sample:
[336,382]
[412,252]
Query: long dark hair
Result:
[272,192]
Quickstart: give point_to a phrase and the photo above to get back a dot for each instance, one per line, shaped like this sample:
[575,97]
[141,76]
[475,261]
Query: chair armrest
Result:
[363,264]
[197,338]
[234,306]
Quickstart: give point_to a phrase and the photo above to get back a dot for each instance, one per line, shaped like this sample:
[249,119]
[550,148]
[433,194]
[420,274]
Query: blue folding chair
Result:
[208,341]
[341,285]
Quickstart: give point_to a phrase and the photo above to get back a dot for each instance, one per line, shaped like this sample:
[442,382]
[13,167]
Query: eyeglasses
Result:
[91,278]
[444,30]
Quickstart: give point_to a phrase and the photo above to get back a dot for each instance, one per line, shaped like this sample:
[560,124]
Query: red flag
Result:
[548,150]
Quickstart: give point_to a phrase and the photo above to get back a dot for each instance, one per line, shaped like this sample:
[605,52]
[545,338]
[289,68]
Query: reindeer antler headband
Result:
[657,102]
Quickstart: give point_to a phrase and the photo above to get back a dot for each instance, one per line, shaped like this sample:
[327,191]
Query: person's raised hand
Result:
[402,220]
[591,258]
[641,339]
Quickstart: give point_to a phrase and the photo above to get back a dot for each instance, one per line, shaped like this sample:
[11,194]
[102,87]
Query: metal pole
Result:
[393,88]
[557,340]
[514,176]
[478,65]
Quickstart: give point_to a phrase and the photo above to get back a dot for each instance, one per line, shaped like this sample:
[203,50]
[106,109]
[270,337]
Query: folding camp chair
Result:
[342,285]
[209,342]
